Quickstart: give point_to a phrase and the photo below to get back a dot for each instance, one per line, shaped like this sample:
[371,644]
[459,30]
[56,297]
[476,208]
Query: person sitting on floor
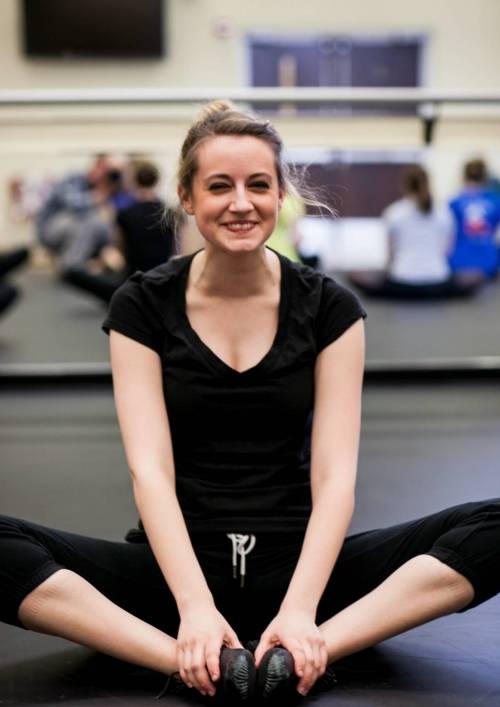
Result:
[420,237]
[476,212]
[69,224]
[238,380]
[143,239]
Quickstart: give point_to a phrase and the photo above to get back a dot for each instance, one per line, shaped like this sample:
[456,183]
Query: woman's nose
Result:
[240,201]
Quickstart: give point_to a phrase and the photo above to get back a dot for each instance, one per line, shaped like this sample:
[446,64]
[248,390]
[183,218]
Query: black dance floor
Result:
[54,323]
[422,448]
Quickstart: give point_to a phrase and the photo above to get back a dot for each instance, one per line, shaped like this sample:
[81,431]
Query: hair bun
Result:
[210,110]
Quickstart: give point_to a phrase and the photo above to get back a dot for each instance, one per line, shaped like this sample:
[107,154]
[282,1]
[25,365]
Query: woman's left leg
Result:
[421,590]
[388,581]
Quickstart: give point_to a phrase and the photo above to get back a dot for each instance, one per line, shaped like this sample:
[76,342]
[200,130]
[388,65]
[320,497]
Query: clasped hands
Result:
[203,631]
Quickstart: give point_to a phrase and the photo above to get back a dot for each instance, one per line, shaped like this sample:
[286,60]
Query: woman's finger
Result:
[231,640]
[185,666]
[212,659]
[264,644]
[299,659]
[199,671]
[309,673]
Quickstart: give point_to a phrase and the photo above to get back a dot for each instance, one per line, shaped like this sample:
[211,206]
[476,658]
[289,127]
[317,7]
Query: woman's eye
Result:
[218,186]
[260,185]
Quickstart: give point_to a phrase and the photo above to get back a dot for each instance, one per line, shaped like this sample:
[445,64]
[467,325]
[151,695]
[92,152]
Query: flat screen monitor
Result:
[94,28]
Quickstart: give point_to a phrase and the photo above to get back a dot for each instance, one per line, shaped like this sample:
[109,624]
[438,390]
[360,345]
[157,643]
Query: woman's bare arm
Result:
[334,455]
[144,425]
[145,430]
[334,459]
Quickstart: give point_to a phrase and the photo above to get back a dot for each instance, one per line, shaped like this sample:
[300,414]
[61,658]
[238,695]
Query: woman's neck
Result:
[218,274]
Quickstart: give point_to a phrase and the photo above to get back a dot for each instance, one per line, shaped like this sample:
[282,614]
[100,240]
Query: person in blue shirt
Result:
[476,211]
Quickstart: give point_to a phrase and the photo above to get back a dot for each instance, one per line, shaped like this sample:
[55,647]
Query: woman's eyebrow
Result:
[227,176]
[217,176]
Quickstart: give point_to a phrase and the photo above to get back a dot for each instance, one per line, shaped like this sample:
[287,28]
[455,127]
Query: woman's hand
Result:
[202,633]
[296,631]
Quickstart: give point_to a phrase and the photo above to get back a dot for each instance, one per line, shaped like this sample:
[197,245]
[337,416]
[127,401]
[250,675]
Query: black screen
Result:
[93,28]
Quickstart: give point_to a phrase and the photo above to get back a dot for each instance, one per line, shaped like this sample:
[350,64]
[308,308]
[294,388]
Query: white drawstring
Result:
[239,541]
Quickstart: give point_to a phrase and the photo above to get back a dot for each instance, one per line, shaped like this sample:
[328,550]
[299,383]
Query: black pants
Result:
[8,295]
[101,285]
[465,537]
[10,261]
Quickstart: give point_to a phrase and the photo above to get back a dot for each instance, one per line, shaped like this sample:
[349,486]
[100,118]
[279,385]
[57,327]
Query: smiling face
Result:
[235,196]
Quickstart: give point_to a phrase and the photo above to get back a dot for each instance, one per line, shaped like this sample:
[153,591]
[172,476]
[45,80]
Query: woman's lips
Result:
[239,226]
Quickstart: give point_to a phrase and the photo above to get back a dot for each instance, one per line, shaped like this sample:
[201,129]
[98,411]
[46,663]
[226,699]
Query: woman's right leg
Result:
[68,606]
[108,596]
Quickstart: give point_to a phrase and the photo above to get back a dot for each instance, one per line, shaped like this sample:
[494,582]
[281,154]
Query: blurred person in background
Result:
[74,223]
[143,237]
[114,189]
[476,212]
[291,237]
[283,238]
[420,239]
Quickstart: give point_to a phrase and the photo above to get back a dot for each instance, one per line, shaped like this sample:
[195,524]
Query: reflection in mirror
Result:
[77,213]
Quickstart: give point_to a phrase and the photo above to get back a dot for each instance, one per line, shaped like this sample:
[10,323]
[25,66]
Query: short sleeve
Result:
[133,313]
[339,309]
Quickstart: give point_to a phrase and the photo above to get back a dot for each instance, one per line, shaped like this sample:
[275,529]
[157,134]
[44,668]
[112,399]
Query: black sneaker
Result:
[237,674]
[276,677]
[236,683]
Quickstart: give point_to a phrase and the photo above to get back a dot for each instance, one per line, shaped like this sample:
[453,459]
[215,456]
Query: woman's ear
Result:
[185,200]
[281,198]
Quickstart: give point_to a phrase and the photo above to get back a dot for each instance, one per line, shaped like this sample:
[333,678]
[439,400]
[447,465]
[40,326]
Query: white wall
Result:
[464,50]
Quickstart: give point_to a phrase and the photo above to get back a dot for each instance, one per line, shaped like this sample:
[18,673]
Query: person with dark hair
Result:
[143,238]
[420,237]
[146,174]
[475,172]
[476,212]
[116,194]
[237,379]
[145,234]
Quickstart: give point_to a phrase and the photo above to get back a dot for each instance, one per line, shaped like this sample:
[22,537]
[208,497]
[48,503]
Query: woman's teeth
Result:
[240,226]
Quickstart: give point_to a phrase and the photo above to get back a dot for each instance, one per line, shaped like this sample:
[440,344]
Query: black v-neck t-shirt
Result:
[240,439]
